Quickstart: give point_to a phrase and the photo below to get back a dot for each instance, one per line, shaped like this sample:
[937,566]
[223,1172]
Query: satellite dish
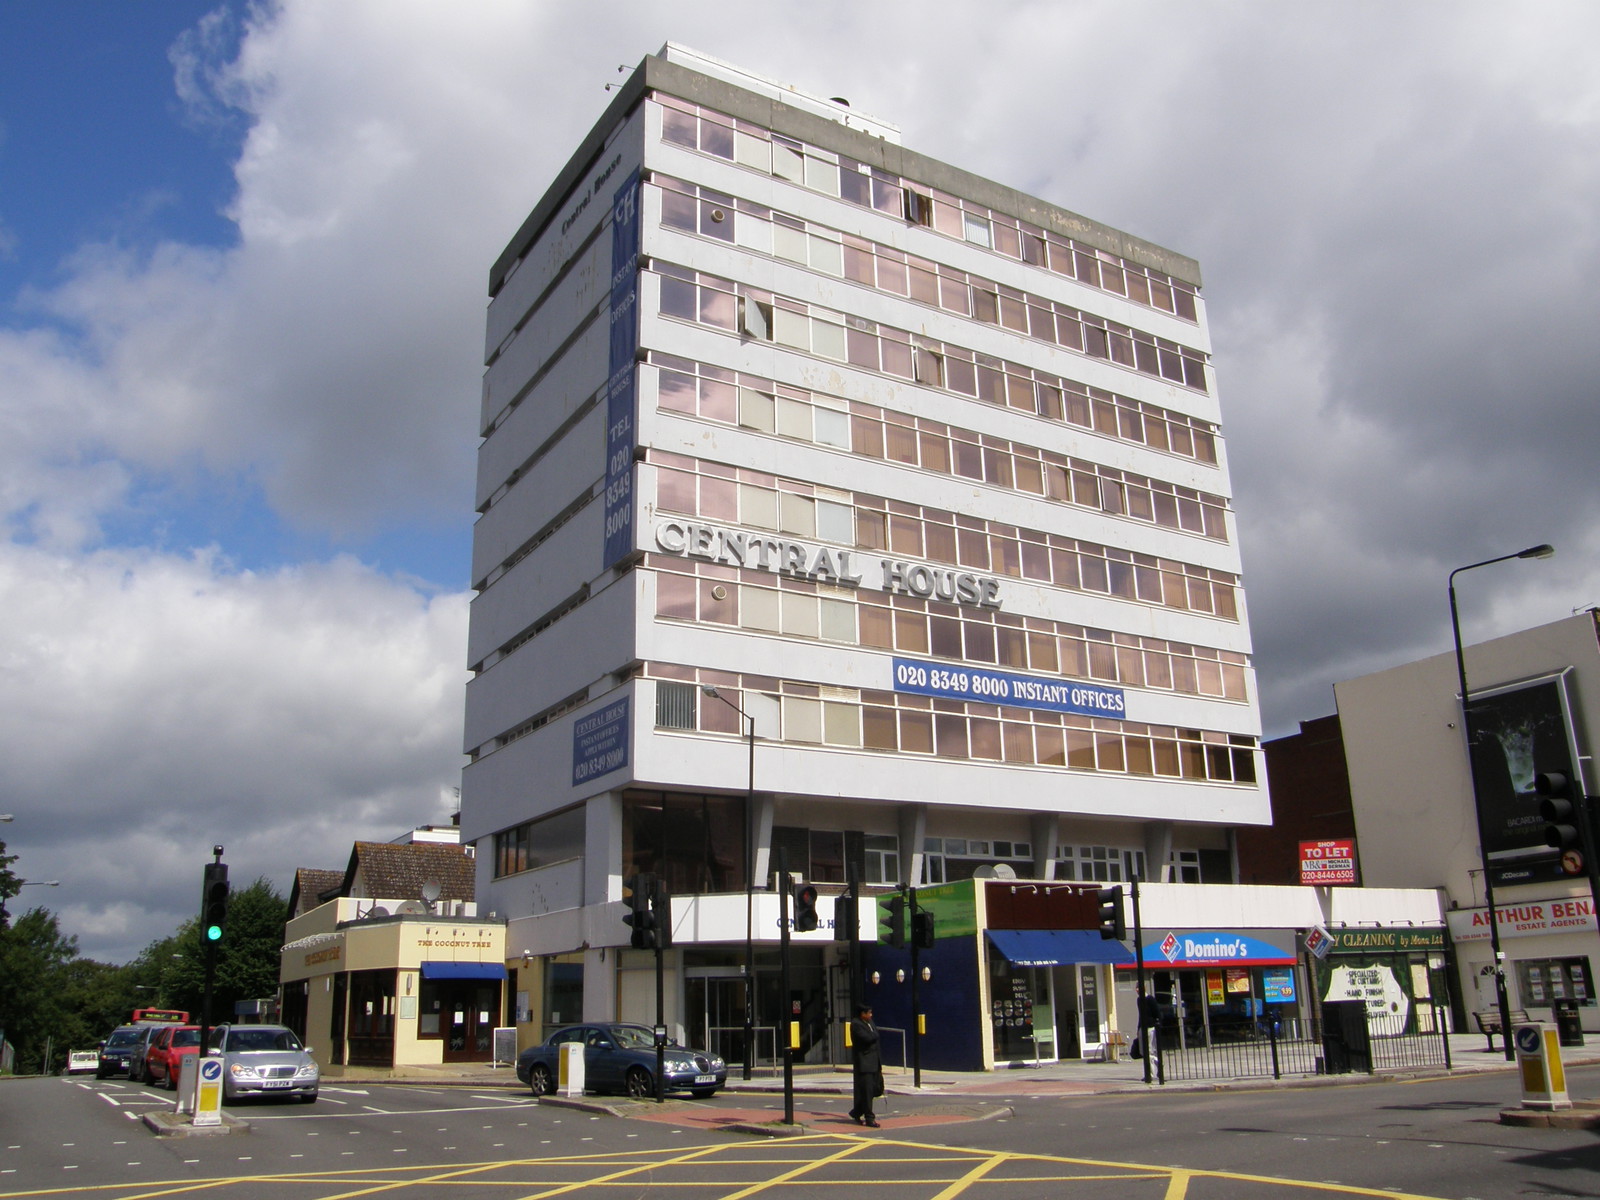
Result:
[431,890]
[411,908]
[377,910]
[1004,871]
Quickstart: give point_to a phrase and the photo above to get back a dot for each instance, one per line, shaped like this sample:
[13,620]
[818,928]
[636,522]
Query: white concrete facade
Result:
[1415,820]
[860,375]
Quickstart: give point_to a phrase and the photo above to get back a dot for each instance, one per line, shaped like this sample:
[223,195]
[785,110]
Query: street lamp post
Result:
[1540,551]
[19,884]
[749,882]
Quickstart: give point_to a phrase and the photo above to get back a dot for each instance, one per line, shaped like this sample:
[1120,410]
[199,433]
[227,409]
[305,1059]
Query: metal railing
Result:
[1271,1049]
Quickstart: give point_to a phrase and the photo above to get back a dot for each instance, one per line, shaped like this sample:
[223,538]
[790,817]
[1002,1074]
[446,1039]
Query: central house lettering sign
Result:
[762,551]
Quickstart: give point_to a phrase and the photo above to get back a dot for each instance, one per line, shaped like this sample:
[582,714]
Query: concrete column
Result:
[1158,851]
[1045,829]
[602,846]
[913,832]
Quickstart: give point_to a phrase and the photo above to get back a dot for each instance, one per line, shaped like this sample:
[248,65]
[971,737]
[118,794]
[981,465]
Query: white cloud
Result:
[151,706]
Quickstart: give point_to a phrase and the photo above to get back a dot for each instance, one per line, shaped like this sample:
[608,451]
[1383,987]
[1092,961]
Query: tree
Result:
[33,957]
[9,884]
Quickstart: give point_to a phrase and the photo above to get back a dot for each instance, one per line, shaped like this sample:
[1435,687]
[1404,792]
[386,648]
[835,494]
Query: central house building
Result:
[840,505]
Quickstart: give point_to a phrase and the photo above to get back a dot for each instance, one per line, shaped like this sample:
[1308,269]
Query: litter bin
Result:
[1569,1029]
[1346,1045]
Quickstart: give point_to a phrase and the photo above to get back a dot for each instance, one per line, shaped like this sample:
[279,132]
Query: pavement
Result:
[1468,1053]
[821,1093]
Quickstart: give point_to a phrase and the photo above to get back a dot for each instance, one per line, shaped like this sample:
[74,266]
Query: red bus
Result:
[160,1016]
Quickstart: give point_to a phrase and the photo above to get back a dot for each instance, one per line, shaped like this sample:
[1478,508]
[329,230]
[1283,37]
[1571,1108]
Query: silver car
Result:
[264,1060]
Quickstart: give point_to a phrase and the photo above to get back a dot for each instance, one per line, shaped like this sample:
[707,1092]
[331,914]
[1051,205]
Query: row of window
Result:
[765,603]
[736,308]
[753,500]
[963,730]
[710,132]
[1096,409]
[942,449]
[755,228]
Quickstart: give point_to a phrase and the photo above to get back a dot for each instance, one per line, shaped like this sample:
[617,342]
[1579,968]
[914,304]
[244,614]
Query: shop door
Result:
[470,1009]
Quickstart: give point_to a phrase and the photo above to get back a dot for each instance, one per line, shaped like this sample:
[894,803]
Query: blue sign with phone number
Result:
[950,682]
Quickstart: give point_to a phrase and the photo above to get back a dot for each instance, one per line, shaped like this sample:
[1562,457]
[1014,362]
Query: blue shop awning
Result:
[1056,947]
[463,970]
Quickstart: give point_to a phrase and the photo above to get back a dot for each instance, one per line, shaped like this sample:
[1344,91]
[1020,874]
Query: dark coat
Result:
[864,1053]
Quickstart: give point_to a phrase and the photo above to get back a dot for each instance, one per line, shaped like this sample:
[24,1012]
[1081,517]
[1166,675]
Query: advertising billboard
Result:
[1518,733]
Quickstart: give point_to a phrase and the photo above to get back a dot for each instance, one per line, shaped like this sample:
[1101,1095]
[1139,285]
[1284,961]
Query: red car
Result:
[164,1060]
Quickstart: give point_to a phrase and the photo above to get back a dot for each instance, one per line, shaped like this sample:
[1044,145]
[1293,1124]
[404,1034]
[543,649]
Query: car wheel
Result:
[640,1085]
[540,1081]
[99,1074]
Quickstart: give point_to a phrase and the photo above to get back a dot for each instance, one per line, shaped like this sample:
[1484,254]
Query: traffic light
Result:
[1112,926]
[214,903]
[1560,811]
[922,930]
[846,922]
[805,907]
[639,917]
[661,915]
[892,921]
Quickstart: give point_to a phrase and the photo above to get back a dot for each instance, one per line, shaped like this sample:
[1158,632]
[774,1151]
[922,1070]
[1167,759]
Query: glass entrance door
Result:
[715,1006]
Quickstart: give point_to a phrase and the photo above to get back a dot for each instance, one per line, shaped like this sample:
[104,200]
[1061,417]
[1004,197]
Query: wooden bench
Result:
[1489,1023]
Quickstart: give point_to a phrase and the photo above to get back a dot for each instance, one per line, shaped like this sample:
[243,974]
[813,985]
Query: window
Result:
[883,859]
[675,705]
[1098,864]
[1541,981]
[533,844]
[694,842]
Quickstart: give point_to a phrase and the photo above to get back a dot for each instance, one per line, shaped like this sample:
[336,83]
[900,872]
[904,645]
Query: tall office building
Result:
[840,505]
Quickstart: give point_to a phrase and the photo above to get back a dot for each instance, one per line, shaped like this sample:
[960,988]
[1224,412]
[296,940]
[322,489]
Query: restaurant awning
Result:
[1056,947]
[463,970]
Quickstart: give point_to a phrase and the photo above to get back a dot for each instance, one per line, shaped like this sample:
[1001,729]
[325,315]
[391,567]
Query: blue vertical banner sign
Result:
[622,386]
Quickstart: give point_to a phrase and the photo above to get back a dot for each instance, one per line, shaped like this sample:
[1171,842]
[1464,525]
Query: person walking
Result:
[1150,1036]
[866,1067]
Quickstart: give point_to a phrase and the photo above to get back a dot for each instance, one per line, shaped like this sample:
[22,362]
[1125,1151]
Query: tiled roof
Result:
[313,886]
[390,871]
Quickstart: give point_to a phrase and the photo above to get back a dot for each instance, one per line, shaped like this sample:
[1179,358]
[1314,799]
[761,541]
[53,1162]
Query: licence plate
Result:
[277,1083]
[705,1078]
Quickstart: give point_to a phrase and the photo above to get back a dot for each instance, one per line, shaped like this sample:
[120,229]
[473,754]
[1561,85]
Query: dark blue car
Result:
[621,1058]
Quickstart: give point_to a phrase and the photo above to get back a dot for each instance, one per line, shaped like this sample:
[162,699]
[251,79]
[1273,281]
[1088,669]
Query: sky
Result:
[243,262]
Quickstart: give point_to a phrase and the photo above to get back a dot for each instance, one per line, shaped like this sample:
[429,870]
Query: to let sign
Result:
[1328,862]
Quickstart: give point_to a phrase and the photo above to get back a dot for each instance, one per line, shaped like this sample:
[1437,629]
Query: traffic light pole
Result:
[786,1028]
[1138,958]
[213,914]
[916,1006]
[660,1032]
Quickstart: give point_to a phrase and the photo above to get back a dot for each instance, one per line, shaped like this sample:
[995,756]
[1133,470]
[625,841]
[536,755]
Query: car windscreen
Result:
[256,1041]
[123,1037]
[186,1037]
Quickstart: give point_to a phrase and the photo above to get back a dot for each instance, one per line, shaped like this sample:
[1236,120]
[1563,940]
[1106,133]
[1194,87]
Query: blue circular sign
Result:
[211,1069]
[1528,1039]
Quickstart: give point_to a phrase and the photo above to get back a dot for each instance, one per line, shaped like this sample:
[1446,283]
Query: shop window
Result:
[1542,981]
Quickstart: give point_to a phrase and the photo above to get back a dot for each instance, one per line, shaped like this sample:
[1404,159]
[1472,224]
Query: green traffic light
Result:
[213,933]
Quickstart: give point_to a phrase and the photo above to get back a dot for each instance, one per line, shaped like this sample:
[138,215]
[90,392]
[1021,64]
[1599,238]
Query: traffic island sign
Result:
[1544,1076]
